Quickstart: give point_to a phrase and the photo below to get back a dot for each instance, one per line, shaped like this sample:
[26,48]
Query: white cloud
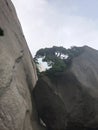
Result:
[46,24]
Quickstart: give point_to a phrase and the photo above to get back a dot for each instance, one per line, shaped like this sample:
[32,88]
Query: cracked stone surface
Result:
[17,74]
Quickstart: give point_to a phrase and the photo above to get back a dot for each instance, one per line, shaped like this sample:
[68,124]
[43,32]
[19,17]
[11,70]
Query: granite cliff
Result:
[17,74]
[69,101]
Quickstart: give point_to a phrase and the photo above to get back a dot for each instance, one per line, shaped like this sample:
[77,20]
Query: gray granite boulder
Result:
[69,101]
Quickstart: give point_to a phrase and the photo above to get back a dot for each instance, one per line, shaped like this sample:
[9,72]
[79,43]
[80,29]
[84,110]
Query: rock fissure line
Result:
[17,61]
[20,57]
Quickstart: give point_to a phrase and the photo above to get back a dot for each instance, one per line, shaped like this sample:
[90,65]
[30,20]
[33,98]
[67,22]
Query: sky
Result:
[66,23]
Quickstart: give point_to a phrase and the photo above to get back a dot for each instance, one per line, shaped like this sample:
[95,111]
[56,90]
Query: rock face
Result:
[70,100]
[17,74]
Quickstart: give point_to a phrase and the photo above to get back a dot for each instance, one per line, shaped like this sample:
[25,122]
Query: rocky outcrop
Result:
[69,101]
[17,74]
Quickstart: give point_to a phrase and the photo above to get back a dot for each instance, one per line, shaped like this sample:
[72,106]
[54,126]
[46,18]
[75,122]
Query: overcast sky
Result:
[58,22]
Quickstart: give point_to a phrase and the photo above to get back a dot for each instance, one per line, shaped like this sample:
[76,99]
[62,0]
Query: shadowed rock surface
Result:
[17,74]
[69,101]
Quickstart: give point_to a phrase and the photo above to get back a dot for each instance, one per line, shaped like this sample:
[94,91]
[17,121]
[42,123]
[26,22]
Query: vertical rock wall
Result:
[17,74]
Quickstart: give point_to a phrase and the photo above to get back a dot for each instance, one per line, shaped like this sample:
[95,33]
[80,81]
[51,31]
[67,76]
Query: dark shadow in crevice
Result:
[78,126]
[1,32]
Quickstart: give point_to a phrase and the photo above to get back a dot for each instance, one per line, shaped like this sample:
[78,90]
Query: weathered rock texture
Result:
[70,99]
[17,74]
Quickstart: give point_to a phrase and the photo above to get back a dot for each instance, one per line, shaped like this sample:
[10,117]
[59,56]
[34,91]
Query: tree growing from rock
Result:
[57,57]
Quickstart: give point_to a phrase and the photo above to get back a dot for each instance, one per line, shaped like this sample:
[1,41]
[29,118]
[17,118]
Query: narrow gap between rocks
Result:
[1,32]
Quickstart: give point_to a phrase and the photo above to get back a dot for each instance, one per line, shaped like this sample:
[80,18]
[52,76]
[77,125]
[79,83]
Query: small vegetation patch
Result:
[57,58]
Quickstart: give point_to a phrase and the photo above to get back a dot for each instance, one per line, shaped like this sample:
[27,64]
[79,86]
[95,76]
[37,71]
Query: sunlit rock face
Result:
[69,101]
[17,74]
